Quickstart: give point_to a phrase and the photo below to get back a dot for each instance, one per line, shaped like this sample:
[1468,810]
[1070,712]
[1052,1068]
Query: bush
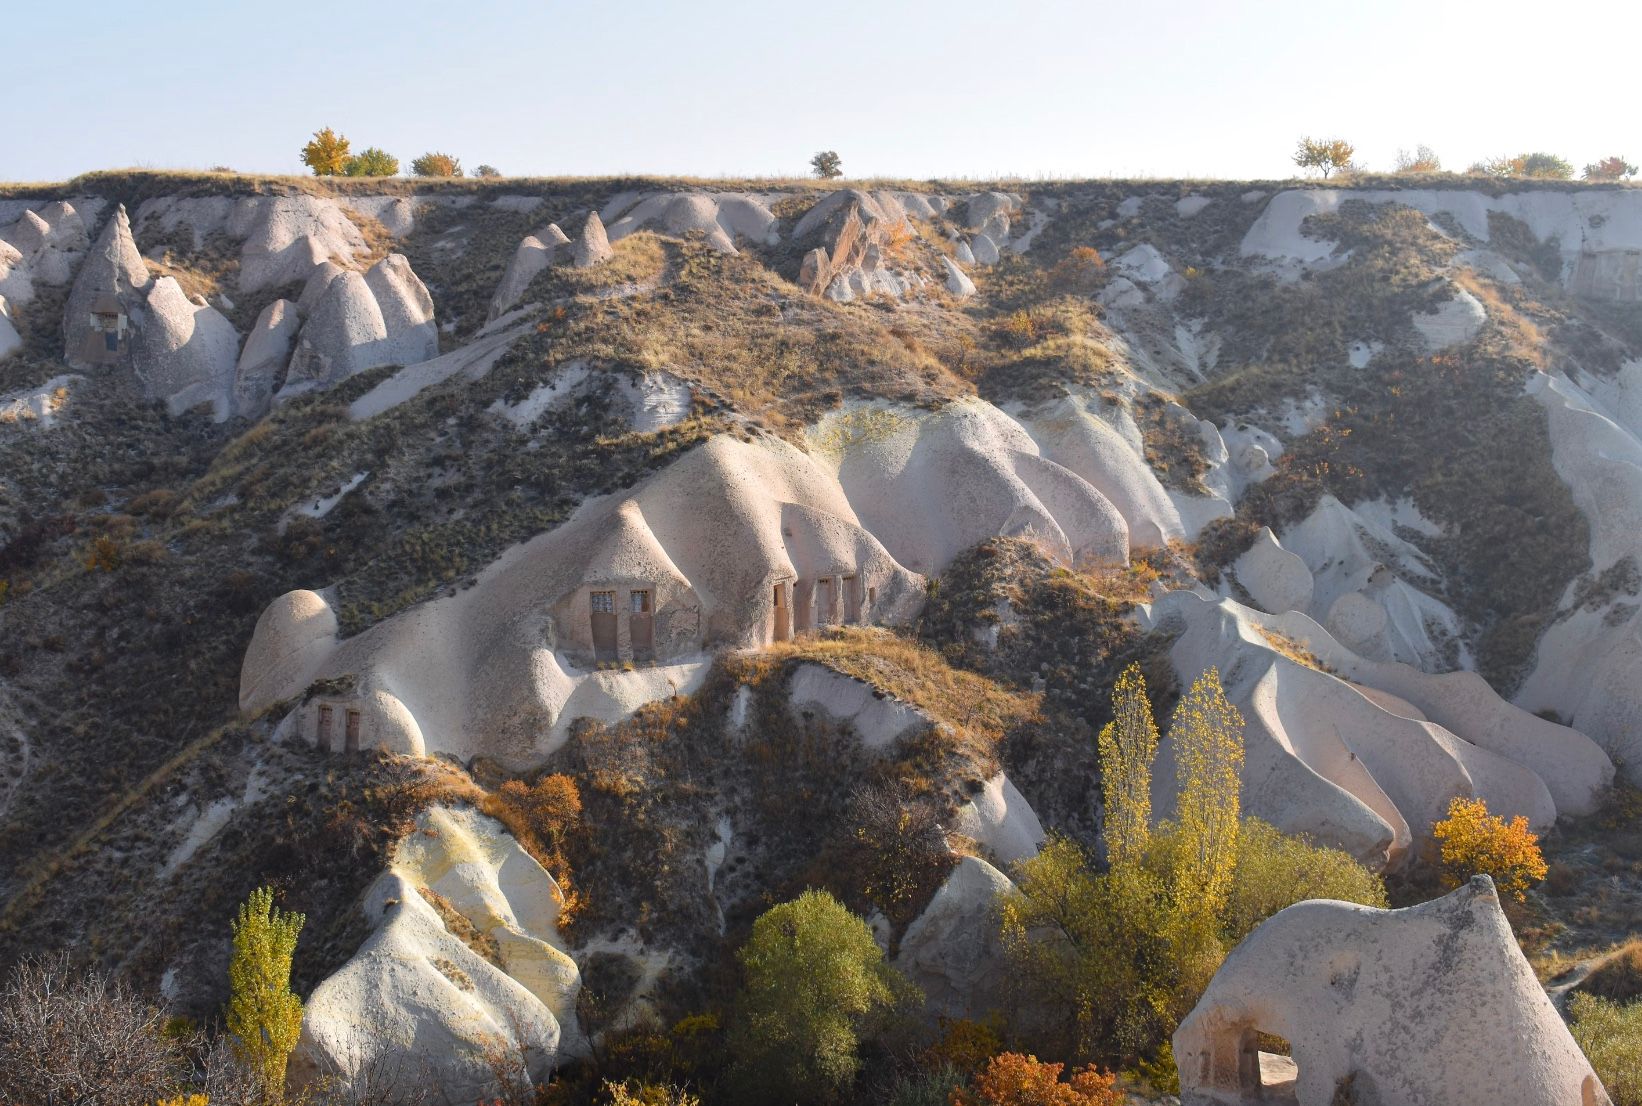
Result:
[1619,977]
[1475,842]
[83,1039]
[634,1093]
[1610,169]
[1423,159]
[1081,270]
[1275,870]
[489,172]
[815,985]
[434,164]
[1535,166]
[898,850]
[925,1088]
[372,162]
[1611,1036]
[326,153]
[826,165]
[1016,1080]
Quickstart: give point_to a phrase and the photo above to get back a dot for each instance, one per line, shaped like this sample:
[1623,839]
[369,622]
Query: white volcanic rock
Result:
[1324,759]
[931,485]
[984,250]
[966,256]
[1432,1004]
[293,636]
[1276,579]
[1587,664]
[416,1001]
[1598,230]
[502,667]
[37,406]
[262,362]
[112,267]
[315,287]
[1001,822]
[288,236]
[986,206]
[184,352]
[592,245]
[957,281]
[43,246]
[10,342]
[878,719]
[534,255]
[360,322]
[721,216]
[953,951]
[1363,594]
[1453,322]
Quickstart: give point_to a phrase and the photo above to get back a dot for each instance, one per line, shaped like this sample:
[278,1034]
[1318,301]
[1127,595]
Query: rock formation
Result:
[952,950]
[721,216]
[114,268]
[1432,1004]
[592,245]
[362,321]
[417,1001]
[184,351]
[261,368]
[535,254]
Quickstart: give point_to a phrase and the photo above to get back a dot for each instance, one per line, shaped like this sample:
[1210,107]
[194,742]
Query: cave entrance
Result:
[641,625]
[322,738]
[351,732]
[826,602]
[605,647]
[852,599]
[1266,1070]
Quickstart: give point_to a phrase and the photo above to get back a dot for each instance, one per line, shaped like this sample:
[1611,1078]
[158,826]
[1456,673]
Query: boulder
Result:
[984,250]
[1001,822]
[261,368]
[592,246]
[10,341]
[1432,1004]
[815,272]
[953,950]
[966,256]
[533,255]
[957,281]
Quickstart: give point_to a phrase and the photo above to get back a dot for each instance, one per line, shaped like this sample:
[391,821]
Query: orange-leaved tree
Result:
[1475,842]
[1012,1079]
[326,153]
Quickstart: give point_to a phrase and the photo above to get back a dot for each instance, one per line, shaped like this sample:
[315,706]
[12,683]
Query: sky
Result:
[1144,88]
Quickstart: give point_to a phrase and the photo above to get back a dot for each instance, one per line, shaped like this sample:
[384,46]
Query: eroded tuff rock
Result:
[361,321]
[1433,1004]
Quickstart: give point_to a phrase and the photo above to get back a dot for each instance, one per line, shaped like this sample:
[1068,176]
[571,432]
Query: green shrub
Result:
[1275,870]
[1611,1036]
[1618,978]
[815,985]
[371,162]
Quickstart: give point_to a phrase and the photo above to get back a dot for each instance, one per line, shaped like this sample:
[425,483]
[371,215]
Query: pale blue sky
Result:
[965,88]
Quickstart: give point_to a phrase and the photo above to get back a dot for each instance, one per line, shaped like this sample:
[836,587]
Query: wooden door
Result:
[352,733]
[852,599]
[783,615]
[604,626]
[641,625]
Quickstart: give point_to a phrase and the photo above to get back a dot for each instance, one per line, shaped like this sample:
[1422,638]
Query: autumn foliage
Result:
[1016,1080]
[1475,842]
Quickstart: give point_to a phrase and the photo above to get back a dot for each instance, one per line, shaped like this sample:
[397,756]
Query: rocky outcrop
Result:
[360,322]
[953,952]
[40,247]
[721,217]
[533,256]
[592,245]
[115,268]
[1431,1004]
[1001,822]
[417,1001]
[957,281]
[10,341]
[261,368]
[184,351]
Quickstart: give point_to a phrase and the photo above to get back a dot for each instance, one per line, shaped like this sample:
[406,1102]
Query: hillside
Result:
[328,508]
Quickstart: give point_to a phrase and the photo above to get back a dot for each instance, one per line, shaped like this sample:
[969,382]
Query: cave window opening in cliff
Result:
[1265,1069]
[641,625]
[322,736]
[605,646]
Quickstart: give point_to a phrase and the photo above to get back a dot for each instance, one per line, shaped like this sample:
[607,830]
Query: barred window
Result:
[604,602]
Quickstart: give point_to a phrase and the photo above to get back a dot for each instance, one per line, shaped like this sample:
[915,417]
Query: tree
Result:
[826,165]
[1475,842]
[1012,1079]
[815,982]
[1610,1034]
[1127,746]
[897,849]
[1423,160]
[435,164]
[1207,735]
[1610,169]
[371,162]
[326,154]
[487,171]
[1275,870]
[82,1040]
[1324,154]
[264,1016]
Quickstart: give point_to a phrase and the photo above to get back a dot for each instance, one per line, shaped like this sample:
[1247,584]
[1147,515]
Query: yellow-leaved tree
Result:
[1207,736]
[264,1016]
[1475,842]
[326,153]
[1127,746]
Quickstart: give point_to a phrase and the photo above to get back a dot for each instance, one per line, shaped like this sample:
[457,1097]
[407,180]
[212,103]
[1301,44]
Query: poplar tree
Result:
[1207,735]
[1127,746]
[264,1016]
